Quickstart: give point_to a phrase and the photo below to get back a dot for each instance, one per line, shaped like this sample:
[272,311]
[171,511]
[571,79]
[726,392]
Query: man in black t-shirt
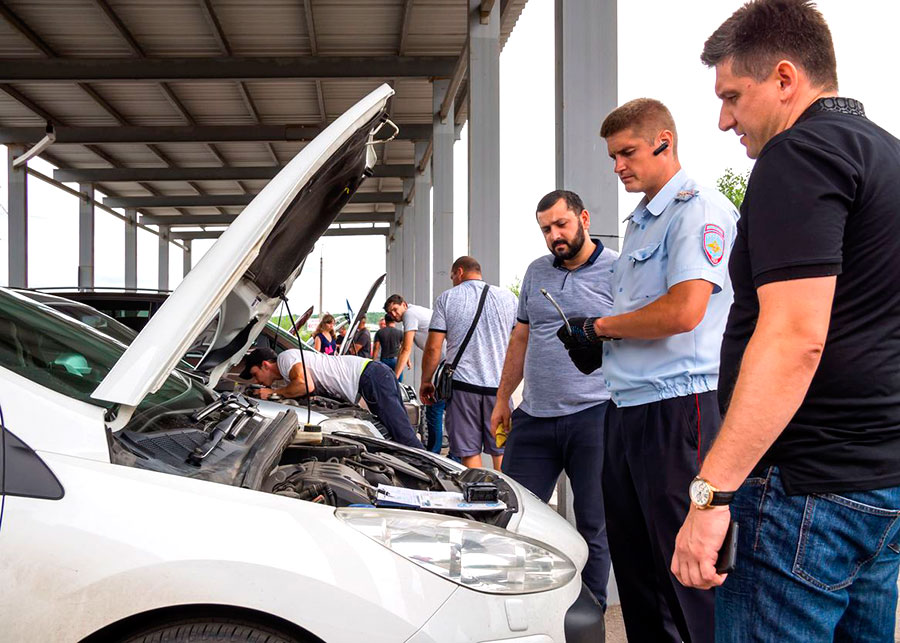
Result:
[387,343]
[362,341]
[810,368]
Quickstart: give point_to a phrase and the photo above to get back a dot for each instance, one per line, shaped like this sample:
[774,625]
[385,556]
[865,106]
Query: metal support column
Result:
[395,277]
[186,262]
[442,196]
[17,234]
[408,280]
[163,269]
[86,225]
[422,227]
[131,248]
[586,91]
[484,139]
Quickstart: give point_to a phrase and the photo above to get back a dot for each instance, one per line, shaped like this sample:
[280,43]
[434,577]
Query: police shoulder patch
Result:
[713,243]
[686,195]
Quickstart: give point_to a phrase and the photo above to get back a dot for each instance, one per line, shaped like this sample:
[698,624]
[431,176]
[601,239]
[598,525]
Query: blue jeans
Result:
[434,421]
[540,448]
[392,362]
[818,567]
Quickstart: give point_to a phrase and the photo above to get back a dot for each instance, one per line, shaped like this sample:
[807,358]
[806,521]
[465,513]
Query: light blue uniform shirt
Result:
[685,232]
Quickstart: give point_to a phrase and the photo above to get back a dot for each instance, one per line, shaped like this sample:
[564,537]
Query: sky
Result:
[659,44]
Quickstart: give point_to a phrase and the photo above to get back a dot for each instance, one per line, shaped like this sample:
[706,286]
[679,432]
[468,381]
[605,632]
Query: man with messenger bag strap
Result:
[469,377]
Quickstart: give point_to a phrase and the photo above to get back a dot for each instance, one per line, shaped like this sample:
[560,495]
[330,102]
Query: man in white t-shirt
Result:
[345,377]
[416,320]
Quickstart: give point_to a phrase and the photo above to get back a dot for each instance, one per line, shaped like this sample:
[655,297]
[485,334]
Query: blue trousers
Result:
[392,362]
[538,449]
[434,421]
[381,391]
[819,567]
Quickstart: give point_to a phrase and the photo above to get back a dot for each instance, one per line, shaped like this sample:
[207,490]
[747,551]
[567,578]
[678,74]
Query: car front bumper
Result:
[565,615]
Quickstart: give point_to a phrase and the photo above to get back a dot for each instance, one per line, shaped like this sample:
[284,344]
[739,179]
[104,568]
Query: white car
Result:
[137,505]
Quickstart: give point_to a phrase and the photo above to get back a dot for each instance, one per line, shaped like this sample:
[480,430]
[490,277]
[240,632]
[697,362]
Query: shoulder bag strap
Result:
[462,347]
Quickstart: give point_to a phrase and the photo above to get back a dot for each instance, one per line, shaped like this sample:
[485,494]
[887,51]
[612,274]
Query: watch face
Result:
[700,493]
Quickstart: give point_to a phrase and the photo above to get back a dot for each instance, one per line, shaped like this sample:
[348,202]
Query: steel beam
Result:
[442,196]
[264,172]
[225,200]
[186,258]
[189,235]
[423,228]
[17,234]
[18,70]
[86,226]
[484,139]
[76,135]
[131,228]
[163,267]
[586,91]
[227,219]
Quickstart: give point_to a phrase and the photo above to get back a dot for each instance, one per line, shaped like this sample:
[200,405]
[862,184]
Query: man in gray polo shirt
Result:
[477,375]
[559,425]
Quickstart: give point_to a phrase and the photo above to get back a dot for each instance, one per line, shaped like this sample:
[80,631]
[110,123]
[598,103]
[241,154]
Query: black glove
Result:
[587,360]
[582,335]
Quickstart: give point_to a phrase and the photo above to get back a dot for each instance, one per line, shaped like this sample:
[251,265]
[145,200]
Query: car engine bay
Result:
[230,443]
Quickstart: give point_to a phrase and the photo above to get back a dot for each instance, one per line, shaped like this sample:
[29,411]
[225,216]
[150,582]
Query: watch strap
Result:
[721,498]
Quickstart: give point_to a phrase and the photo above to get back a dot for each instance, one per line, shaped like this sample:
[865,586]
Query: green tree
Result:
[515,286]
[733,185]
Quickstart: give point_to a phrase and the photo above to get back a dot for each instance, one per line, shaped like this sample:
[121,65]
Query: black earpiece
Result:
[659,150]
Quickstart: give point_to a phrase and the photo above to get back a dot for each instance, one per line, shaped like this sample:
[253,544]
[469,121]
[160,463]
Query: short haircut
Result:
[763,32]
[573,201]
[389,320]
[467,263]
[646,117]
[393,299]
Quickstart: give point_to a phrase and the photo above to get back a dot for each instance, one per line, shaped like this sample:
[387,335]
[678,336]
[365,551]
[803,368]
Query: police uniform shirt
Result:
[684,233]
[823,200]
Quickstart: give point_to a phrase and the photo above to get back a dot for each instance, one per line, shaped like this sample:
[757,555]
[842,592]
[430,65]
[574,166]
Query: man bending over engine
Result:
[344,377]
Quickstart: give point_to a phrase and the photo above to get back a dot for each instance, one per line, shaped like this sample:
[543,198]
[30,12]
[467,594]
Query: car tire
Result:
[211,630]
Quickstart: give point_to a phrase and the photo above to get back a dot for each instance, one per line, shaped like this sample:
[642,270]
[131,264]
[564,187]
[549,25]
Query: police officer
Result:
[671,299]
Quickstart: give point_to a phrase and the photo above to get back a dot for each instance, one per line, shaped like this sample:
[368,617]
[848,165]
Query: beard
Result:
[569,249]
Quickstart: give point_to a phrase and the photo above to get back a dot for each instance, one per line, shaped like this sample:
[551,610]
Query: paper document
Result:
[390,496]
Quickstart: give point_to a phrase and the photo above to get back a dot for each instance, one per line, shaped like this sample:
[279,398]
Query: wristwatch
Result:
[704,495]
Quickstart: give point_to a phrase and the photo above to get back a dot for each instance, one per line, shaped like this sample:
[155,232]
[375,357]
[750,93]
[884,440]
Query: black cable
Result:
[282,294]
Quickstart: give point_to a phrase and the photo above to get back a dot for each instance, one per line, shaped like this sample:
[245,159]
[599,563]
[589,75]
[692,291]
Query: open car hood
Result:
[363,309]
[255,260]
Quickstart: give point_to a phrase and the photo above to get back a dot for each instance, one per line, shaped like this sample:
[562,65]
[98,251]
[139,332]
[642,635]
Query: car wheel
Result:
[211,630]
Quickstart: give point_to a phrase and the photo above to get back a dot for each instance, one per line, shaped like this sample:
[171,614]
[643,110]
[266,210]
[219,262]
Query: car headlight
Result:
[481,557]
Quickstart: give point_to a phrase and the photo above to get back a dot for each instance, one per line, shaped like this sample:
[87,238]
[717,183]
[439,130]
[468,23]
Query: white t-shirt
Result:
[337,376]
[417,318]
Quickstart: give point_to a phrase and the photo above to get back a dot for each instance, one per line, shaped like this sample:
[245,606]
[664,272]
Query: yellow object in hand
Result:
[502,434]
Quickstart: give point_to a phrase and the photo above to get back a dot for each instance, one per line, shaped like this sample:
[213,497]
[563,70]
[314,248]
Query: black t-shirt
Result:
[824,199]
[364,339]
[389,338]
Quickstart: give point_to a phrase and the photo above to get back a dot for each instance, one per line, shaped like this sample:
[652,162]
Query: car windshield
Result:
[95,319]
[71,358]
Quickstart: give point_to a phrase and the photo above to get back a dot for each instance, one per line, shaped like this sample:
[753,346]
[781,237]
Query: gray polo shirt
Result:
[454,310]
[553,386]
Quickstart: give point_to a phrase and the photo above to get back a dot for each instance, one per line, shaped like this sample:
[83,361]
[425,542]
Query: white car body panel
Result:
[124,541]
